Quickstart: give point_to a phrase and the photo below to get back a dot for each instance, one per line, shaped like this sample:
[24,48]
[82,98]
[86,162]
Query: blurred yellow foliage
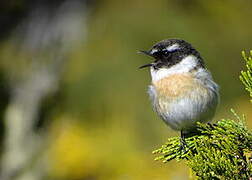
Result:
[71,152]
[76,153]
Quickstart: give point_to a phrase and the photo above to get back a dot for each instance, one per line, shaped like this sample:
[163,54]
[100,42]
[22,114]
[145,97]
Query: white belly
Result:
[181,101]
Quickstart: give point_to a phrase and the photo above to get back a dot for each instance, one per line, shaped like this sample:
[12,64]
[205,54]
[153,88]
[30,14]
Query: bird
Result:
[182,90]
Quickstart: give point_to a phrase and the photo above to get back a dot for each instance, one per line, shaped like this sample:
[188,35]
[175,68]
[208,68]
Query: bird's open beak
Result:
[148,54]
[146,65]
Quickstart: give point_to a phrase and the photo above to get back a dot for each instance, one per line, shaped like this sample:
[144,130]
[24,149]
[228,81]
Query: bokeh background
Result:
[74,105]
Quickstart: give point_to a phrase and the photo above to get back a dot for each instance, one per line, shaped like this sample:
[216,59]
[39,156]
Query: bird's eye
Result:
[165,51]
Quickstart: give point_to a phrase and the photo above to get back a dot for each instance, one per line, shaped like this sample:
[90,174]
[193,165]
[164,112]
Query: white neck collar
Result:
[184,66]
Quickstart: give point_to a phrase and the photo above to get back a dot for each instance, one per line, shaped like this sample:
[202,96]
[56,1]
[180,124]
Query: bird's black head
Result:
[170,52]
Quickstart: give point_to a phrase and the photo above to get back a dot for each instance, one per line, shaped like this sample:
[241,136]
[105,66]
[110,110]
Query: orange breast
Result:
[176,85]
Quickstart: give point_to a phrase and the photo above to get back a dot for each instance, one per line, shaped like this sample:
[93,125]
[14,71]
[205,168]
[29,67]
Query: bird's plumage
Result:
[182,90]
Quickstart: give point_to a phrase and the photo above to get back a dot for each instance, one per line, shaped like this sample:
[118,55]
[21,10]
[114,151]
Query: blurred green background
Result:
[100,123]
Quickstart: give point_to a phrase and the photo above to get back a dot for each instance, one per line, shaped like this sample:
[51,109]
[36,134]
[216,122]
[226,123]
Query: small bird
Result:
[182,90]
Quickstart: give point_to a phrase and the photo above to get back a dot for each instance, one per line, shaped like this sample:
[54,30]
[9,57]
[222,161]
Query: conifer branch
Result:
[218,151]
[246,76]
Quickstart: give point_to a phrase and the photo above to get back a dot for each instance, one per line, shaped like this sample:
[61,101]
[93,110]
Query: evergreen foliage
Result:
[246,76]
[217,151]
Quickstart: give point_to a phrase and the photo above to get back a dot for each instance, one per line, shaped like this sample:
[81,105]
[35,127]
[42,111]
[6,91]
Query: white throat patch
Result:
[185,65]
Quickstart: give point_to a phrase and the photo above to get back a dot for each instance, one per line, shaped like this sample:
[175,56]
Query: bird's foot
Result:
[183,145]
